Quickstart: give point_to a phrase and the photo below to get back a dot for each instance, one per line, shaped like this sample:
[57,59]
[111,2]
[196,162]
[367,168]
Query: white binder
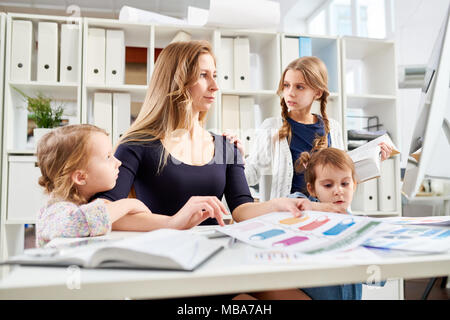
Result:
[230,114]
[366,196]
[247,122]
[115,57]
[96,49]
[290,51]
[241,64]
[121,114]
[226,62]
[21,50]
[47,54]
[103,111]
[69,68]
[386,186]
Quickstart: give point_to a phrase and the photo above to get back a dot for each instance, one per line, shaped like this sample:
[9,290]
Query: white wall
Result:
[417,24]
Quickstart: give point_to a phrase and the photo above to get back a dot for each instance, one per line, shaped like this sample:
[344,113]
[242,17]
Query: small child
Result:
[76,163]
[330,178]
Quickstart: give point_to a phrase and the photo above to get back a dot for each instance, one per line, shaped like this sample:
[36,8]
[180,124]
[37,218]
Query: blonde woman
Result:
[170,159]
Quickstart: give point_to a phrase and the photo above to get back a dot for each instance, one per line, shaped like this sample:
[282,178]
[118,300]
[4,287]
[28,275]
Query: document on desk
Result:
[442,221]
[313,233]
[159,249]
[419,238]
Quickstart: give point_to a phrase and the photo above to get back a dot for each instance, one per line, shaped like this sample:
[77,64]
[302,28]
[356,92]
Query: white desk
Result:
[225,273]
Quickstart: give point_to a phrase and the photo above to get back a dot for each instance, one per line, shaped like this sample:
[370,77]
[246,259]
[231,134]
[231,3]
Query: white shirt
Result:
[270,161]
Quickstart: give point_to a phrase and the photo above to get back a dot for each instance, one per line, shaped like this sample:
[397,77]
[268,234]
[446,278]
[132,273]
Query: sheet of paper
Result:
[419,238]
[244,14]
[443,221]
[137,15]
[358,255]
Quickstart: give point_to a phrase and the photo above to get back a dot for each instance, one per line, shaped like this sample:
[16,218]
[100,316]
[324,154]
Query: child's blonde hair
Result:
[307,162]
[316,76]
[61,152]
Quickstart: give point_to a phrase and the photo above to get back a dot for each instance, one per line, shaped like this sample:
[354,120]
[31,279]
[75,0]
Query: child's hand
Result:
[196,210]
[234,140]
[386,151]
[293,205]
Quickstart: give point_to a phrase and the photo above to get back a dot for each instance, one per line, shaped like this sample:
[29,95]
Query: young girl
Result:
[280,140]
[330,178]
[77,162]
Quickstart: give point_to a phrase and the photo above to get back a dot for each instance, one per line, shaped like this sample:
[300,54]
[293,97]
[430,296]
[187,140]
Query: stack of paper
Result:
[367,158]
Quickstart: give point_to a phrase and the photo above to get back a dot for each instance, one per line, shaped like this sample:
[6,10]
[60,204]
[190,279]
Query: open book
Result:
[159,249]
[367,158]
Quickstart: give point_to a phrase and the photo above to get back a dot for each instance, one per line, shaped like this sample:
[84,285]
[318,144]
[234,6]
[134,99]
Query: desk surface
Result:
[227,272]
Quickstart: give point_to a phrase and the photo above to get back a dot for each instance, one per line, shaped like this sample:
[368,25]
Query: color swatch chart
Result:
[313,232]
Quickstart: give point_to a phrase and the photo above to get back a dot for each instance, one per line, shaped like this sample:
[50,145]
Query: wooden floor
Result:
[414,289]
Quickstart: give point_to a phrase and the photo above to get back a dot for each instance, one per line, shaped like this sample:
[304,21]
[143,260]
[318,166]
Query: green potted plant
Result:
[42,113]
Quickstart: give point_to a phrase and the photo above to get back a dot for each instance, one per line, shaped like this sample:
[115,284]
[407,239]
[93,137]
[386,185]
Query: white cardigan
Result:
[271,159]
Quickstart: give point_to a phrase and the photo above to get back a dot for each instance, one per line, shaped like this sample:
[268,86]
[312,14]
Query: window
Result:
[318,24]
[371,22]
[364,18]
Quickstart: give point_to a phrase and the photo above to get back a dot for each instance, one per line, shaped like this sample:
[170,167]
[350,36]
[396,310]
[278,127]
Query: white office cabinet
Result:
[103,111]
[21,50]
[115,57]
[392,290]
[369,86]
[387,186]
[47,54]
[241,64]
[96,50]
[121,115]
[23,185]
[247,122]
[226,64]
[366,197]
[69,66]
[290,50]
[230,114]
[34,42]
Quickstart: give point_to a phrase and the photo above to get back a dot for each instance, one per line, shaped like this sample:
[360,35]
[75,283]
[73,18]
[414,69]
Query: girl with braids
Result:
[77,162]
[280,140]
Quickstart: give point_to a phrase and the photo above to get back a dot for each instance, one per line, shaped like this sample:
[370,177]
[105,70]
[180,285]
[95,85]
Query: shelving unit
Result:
[369,86]
[2,70]
[21,195]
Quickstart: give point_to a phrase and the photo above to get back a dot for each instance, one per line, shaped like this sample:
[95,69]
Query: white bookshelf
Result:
[369,88]
[2,70]
[21,196]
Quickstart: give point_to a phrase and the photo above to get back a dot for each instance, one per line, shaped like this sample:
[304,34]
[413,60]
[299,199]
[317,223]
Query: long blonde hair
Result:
[60,153]
[316,76]
[168,102]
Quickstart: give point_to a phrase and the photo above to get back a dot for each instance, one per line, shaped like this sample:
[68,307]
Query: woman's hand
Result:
[386,150]
[234,140]
[196,210]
